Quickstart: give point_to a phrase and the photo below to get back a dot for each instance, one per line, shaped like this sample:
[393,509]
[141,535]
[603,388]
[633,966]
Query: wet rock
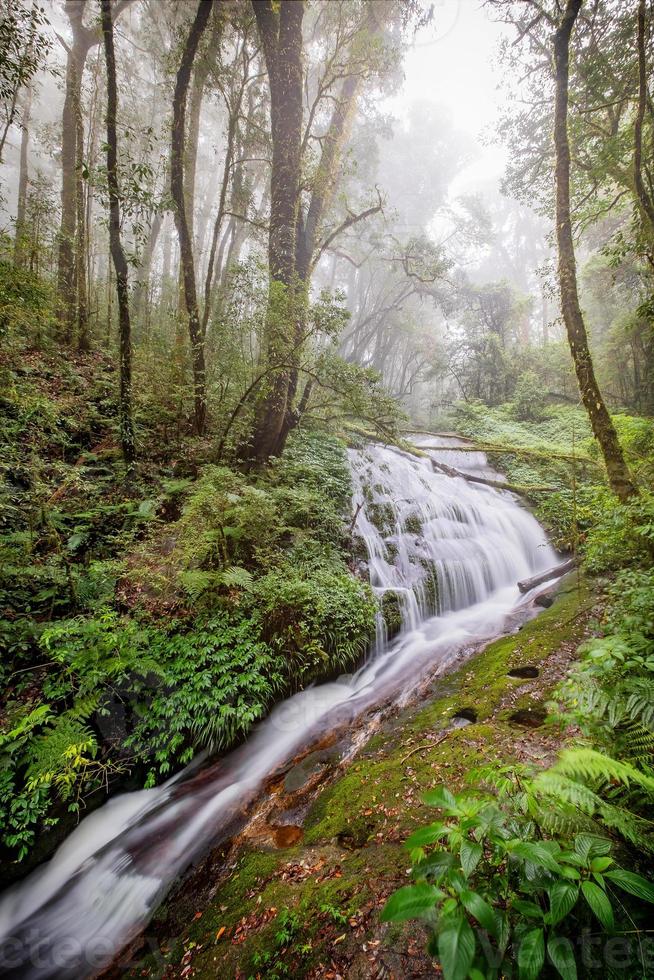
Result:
[287,836]
[524,672]
[391,609]
[302,773]
[545,600]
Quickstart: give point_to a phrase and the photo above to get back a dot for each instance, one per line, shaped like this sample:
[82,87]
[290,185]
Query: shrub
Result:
[497,893]
[320,618]
[528,398]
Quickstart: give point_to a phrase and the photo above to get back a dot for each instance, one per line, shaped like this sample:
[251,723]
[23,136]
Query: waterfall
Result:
[437,544]
[443,553]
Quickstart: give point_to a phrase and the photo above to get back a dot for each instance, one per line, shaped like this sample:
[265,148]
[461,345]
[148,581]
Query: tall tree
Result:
[23,178]
[117,252]
[602,425]
[182,218]
[280,31]
[84,38]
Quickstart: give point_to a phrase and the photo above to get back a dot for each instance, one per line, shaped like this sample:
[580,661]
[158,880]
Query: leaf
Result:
[632,883]
[599,864]
[440,797]
[528,909]
[563,898]
[535,853]
[456,948]
[434,864]
[470,856]
[147,509]
[75,540]
[531,954]
[410,902]
[599,903]
[426,835]
[562,957]
[480,909]
[589,846]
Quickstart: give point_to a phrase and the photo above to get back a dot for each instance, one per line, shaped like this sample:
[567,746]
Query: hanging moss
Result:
[383,517]
[392,612]
[430,587]
[413,524]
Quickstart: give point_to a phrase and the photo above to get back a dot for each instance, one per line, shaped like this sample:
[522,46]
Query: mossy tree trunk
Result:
[602,425]
[182,220]
[117,252]
[280,31]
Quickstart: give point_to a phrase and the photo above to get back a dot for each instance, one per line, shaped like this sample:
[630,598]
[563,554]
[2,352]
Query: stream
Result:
[450,555]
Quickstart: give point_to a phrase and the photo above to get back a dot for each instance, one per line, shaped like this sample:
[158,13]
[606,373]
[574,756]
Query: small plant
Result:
[497,893]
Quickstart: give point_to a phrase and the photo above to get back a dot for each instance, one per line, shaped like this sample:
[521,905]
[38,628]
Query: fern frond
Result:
[599,768]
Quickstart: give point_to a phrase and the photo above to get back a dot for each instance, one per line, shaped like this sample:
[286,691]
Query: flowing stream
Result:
[444,554]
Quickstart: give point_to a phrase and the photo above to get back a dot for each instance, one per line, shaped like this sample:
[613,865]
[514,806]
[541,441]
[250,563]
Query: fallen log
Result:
[488,482]
[530,583]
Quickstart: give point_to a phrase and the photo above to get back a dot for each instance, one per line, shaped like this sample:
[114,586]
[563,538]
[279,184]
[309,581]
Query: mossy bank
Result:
[312,907]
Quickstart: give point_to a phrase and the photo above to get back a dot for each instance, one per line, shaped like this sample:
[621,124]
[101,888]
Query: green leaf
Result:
[426,835]
[440,797]
[562,957]
[599,903]
[480,909]
[589,846]
[434,864]
[632,883]
[535,853]
[599,864]
[528,909]
[470,856]
[410,902]
[563,898]
[531,954]
[75,540]
[147,509]
[456,948]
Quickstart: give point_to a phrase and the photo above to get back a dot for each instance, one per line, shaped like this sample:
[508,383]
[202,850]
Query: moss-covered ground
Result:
[312,909]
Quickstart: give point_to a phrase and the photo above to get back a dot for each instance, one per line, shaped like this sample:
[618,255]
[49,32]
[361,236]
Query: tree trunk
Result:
[81,237]
[281,37]
[181,218]
[75,59]
[603,428]
[117,253]
[23,178]
[644,198]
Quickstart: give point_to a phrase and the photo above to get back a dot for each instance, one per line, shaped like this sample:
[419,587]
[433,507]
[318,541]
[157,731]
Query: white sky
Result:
[453,64]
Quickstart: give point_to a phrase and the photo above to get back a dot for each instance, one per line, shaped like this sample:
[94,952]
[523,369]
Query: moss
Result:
[382,516]
[429,585]
[391,607]
[413,524]
[352,853]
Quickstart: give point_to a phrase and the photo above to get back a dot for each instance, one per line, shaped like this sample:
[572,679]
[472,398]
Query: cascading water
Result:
[450,552]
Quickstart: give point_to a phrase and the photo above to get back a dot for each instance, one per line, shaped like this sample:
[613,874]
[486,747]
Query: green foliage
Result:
[26,303]
[528,400]
[322,617]
[216,681]
[497,892]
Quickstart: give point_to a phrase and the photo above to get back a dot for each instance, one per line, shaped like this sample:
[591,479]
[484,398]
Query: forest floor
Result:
[299,894]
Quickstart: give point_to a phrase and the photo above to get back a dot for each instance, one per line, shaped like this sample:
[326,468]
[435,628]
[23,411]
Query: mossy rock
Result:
[391,608]
[413,523]
[382,516]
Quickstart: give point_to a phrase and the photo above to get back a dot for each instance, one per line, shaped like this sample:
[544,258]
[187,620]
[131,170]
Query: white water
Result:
[73,914]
